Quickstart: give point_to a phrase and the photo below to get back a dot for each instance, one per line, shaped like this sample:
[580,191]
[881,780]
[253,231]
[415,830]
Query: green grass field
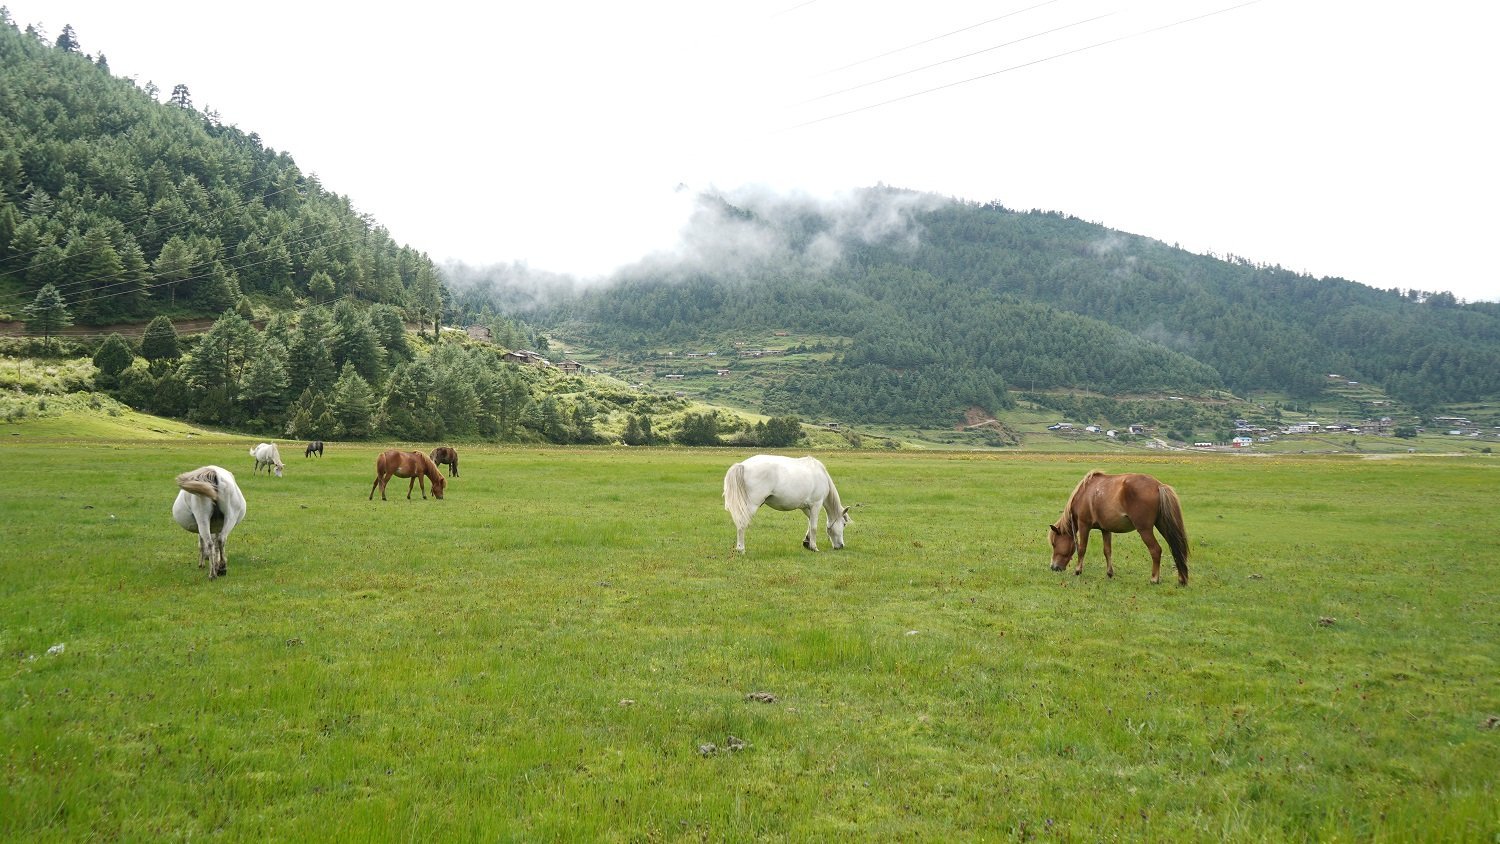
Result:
[545,654]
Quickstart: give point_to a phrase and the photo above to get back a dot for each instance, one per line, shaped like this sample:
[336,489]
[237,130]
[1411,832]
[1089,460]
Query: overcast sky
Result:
[1351,138]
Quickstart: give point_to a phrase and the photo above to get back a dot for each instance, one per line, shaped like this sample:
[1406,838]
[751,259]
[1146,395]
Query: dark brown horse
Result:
[407,464]
[1117,504]
[314,447]
[446,456]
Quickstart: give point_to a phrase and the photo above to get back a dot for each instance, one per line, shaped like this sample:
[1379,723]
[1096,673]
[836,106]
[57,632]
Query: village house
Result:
[481,333]
[572,367]
[721,372]
[527,357]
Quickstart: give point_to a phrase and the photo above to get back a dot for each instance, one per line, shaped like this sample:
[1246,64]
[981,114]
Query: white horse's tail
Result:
[734,496]
[204,482]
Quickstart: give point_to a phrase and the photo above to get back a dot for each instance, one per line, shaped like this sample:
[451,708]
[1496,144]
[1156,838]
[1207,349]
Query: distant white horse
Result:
[784,483]
[210,502]
[269,456]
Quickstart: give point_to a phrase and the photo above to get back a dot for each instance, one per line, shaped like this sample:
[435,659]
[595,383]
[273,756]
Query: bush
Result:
[699,429]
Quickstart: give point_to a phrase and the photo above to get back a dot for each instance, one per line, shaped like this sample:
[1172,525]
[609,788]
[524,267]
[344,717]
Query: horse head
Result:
[836,528]
[1061,537]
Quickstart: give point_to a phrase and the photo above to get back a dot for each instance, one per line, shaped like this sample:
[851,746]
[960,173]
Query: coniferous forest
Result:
[123,206]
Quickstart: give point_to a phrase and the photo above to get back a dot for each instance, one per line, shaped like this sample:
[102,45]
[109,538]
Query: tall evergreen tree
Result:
[160,342]
[266,380]
[352,405]
[47,314]
[309,359]
[68,40]
[352,340]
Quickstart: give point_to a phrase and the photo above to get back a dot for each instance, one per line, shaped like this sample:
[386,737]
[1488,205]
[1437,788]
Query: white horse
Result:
[210,502]
[784,483]
[269,456]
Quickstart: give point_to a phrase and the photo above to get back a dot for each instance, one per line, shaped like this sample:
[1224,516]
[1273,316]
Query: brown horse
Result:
[446,456]
[407,464]
[1117,504]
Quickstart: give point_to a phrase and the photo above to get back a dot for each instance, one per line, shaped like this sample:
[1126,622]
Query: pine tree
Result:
[632,434]
[48,314]
[160,342]
[266,380]
[68,40]
[352,406]
[309,360]
[113,357]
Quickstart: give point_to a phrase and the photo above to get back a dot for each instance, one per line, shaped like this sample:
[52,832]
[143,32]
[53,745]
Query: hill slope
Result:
[934,306]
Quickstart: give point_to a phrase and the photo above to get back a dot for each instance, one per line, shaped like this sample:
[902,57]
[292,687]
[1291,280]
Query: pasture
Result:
[550,651]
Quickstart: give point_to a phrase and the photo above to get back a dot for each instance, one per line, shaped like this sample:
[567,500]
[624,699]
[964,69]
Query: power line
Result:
[937,37]
[955,59]
[1022,65]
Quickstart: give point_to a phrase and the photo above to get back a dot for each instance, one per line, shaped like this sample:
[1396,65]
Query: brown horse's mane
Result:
[1068,518]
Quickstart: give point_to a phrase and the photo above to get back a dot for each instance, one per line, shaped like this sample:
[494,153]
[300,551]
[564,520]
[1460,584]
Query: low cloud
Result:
[731,235]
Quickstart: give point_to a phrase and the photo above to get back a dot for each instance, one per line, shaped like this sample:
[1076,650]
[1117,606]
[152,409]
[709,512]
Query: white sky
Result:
[1352,138]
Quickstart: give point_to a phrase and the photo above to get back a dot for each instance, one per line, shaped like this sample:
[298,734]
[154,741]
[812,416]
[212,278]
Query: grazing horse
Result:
[312,447]
[784,483]
[1117,504]
[269,456]
[407,464]
[209,502]
[446,456]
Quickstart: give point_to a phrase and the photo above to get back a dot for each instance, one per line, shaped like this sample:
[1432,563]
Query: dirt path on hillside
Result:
[131,330]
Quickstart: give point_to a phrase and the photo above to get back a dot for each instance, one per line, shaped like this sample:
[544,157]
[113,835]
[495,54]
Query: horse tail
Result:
[734,495]
[202,482]
[1169,523]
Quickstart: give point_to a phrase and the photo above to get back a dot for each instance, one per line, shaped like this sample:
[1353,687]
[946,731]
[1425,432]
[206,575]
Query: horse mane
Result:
[1067,518]
[430,469]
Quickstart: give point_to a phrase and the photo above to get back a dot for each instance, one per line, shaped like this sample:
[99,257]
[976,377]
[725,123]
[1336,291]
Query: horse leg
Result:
[372,488]
[410,485]
[1083,548]
[422,483]
[810,541]
[222,560]
[1109,563]
[1148,537]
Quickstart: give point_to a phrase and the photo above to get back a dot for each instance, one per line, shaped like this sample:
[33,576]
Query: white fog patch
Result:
[730,234]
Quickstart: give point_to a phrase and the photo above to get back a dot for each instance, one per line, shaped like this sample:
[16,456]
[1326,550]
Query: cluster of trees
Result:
[343,373]
[708,429]
[353,372]
[131,207]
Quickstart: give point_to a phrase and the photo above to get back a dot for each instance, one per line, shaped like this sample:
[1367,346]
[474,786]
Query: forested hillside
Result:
[946,305]
[131,207]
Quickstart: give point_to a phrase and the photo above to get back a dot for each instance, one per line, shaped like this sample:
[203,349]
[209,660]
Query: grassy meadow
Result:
[550,652]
